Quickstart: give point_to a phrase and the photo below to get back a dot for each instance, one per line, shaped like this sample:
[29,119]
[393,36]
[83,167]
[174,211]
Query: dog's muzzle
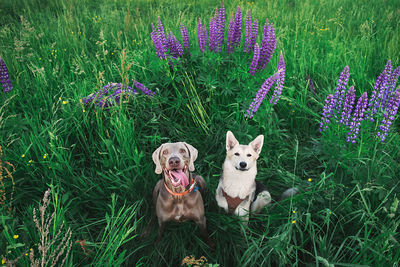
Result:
[177,177]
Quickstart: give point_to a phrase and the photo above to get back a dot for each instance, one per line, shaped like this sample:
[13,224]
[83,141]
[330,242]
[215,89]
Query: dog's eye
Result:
[182,151]
[249,155]
[236,154]
[165,152]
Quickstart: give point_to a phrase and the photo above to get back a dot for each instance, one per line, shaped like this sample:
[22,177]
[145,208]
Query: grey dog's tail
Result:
[289,193]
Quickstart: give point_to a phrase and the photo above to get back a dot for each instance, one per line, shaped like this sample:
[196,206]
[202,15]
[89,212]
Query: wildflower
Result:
[309,179]
[326,113]
[310,84]
[379,91]
[268,45]
[280,80]
[357,118]
[256,56]
[157,43]
[109,94]
[294,221]
[262,92]
[23,156]
[348,106]
[65,102]
[45,156]
[4,78]
[221,26]
[389,114]
[143,88]
[238,27]
[3,261]
[248,32]
[294,211]
[201,35]
[231,33]
[161,33]
[212,37]
[254,34]
[30,161]
[340,90]
[15,236]
[185,36]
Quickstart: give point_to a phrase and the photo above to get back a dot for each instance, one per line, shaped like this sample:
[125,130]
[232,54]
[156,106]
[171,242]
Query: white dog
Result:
[238,192]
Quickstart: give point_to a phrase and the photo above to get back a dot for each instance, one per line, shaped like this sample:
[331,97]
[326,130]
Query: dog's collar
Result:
[193,187]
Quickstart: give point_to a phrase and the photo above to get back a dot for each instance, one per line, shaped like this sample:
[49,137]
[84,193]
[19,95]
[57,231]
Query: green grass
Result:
[60,51]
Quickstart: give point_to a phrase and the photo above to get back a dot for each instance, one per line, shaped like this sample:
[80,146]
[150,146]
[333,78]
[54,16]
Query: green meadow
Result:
[97,162]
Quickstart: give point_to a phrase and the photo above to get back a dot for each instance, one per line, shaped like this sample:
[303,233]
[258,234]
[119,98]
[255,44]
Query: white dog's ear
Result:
[156,159]
[257,143]
[230,141]
[193,156]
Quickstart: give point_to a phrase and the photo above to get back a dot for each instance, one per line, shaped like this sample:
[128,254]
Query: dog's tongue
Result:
[180,175]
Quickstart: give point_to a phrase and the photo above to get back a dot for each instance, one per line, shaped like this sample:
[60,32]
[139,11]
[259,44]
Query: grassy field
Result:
[97,161]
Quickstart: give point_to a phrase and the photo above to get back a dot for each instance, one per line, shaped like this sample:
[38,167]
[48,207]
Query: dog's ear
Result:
[193,156]
[156,159]
[257,143]
[230,141]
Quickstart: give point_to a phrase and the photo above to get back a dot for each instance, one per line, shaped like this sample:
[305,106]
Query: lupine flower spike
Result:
[348,106]
[262,92]
[4,78]
[231,32]
[248,33]
[256,57]
[357,118]
[143,88]
[378,91]
[238,27]
[280,80]
[185,36]
[326,113]
[268,45]
[340,90]
[389,115]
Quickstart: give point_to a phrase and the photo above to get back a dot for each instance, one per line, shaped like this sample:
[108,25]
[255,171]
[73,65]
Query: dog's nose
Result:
[174,162]
[243,164]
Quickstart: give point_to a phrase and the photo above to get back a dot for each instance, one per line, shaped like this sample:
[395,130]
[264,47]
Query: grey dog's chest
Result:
[179,209]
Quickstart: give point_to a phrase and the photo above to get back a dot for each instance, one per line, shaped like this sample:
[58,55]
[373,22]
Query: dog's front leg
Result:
[221,200]
[243,212]
[160,231]
[201,222]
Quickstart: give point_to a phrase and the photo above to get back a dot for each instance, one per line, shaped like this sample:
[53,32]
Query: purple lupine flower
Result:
[238,27]
[202,38]
[185,36]
[143,88]
[389,115]
[348,106]
[254,35]
[268,45]
[393,79]
[4,77]
[157,43]
[357,118]
[248,33]
[213,35]
[161,33]
[262,92]
[384,92]
[231,32]
[310,84]
[326,113]
[378,91]
[256,56]
[221,27]
[175,46]
[280,80]
[109,94]
[340,90]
